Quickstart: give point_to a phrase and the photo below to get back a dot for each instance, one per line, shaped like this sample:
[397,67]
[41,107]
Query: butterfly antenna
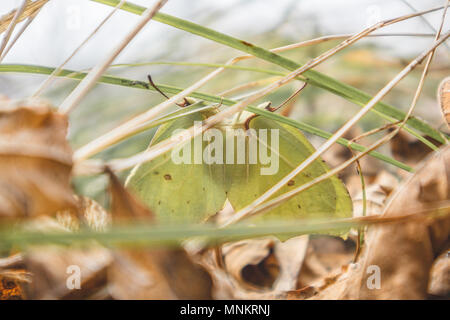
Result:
[150,80]
[272,109]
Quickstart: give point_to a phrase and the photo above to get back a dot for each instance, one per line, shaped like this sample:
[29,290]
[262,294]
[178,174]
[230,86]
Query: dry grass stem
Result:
[11,27]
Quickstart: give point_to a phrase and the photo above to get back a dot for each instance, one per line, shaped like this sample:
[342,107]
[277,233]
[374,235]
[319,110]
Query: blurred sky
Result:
[63,24]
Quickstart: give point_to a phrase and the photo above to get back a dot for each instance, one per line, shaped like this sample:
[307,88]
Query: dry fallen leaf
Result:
[35,161]
[252,263]
[325,255]
[50,266]
[12,277]
[408,149]
[265,264]
[151,274]
[376,195]
[403,252]
[338,154]
[11,284]
[439,284]
[254,269]
[444,99]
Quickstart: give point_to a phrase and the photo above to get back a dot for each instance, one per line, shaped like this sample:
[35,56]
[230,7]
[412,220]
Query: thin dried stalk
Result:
[30,10]
[11,27]
[91,79]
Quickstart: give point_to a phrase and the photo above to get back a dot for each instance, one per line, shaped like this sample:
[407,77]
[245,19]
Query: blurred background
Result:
[62,25]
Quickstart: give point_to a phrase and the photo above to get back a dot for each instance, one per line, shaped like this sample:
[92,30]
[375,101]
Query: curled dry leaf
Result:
[252,263]
[265,264]
[444,99]
[402,252]
[255,269]
[124,206]
[151,274]
[35,161]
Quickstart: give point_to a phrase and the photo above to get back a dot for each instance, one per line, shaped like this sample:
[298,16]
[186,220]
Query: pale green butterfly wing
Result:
[178,193]
[245,183]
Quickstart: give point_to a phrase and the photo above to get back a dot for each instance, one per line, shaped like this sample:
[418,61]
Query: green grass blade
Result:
[172,235]
[313,77]
[202,96]
[151,235]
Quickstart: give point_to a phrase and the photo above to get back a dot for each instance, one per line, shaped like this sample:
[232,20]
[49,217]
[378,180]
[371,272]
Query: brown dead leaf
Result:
[325,255]
[290,255]
[255,269]
[13,277]
[444,99]
[35,161]
[408,149]
[403,252]
[11,284]
[439,284]
[157,274]
[124,206]
[252,263]
[338,154]
[151,274]
[51,266]
[88,213]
